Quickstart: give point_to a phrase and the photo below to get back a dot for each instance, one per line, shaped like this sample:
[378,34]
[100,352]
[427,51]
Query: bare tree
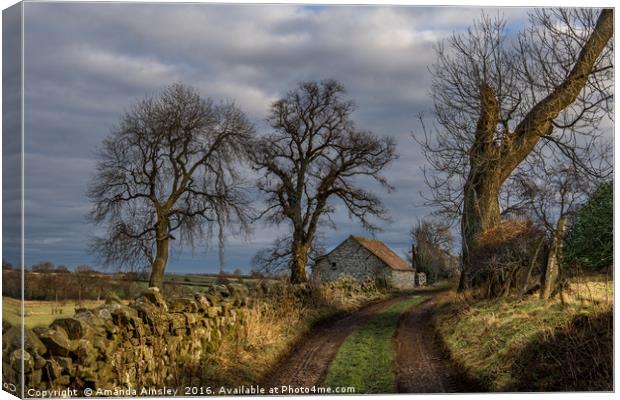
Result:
[169,168]
[549,194]
[312,158]
[43,267]
[499,101]
[432,246]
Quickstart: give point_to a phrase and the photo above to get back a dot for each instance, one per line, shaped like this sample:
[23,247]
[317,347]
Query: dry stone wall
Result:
[144,343]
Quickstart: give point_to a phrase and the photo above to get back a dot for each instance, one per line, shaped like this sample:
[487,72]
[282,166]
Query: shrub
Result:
[509,259]
[590,237]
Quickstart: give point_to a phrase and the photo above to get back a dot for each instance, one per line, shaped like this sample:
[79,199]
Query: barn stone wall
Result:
[352,259]
[402,280]
[146,343]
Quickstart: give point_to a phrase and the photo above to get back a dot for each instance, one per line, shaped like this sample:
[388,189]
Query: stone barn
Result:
[364,258]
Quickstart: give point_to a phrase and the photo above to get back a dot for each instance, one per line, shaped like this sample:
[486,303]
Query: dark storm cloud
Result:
[85,63]
[11,143]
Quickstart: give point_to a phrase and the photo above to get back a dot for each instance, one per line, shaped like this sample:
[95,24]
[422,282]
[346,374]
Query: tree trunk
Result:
[525,282]
[161,256]
[480,213]
[299,261]
[481,189]
[553,260]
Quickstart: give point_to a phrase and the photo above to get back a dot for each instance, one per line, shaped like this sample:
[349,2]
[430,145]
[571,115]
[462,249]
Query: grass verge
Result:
[365,359]
[532,344]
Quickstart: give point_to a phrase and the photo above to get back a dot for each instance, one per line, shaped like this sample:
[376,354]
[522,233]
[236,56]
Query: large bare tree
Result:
[500,99]
[169,169]
[313,157]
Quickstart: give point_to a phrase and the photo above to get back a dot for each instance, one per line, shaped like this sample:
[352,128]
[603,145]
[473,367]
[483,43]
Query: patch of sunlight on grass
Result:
[39,313]
[485,338]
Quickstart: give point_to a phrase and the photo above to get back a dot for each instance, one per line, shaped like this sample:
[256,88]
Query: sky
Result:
[86,63]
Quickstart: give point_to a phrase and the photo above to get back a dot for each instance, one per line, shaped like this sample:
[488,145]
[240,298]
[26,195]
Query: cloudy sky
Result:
[86,63]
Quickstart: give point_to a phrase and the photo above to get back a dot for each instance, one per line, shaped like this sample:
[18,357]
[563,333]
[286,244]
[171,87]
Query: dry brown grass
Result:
[589,289]
[273,325]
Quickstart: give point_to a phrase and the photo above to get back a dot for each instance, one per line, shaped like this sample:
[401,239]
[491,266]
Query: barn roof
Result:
[384,253]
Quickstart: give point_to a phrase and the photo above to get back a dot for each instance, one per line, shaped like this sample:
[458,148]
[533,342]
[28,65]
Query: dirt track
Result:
[420,364]
[307,364]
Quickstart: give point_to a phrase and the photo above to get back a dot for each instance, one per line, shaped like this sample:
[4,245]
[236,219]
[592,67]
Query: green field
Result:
[365,359]
[39,313]
[204,279]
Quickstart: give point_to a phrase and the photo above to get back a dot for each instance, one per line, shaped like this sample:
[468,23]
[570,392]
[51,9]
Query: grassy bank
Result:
[534,345]
[365,359]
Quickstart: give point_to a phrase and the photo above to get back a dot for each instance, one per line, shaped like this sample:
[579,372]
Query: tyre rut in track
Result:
[421,364]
